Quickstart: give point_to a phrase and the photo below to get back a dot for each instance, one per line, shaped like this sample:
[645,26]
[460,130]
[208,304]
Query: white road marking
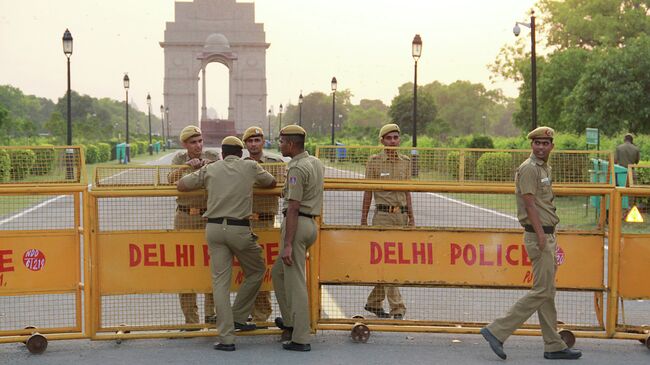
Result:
[38,206]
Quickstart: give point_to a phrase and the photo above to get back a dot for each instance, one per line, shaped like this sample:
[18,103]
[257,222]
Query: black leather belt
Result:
[191,210]
[284,213]
[231,221]
[547,229]
[390,209]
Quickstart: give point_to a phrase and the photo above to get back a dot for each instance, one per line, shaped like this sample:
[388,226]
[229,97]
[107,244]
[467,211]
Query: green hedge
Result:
[453,163]
[104,152]
[5,166]
[133,149]
[495,166]
[92,153]
[21,163]
[44,161]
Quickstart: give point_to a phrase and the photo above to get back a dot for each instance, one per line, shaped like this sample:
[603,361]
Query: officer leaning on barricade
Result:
[536,213]
[303,201]
[189,210]
[392,208]
[264,210]
[229,184]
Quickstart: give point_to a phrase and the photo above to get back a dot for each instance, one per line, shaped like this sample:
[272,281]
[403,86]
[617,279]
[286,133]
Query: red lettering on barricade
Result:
[5,262]
[206,256]
[149,255]
[135,255]
[456,251]
[34,259]
[163,262]
[182,254]
[400,254]
[499,252]
[483,261]
[509,249]
[469,254]
[272,251]
[389,251]
[375,253]
[418,252]
[524,257]
[528,277]
[239,278]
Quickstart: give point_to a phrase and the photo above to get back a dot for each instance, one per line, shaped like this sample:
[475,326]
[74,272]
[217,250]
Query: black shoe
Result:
[398,316]
[286,335]
[495,344]
[293,346]
[224,347]
[245,326]
[279,322]
[566,354]
[211,319]
[379,312]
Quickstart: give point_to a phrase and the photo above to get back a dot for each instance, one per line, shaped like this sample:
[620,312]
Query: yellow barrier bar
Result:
[615,215]
[86,263]
[67,336]
[49,189]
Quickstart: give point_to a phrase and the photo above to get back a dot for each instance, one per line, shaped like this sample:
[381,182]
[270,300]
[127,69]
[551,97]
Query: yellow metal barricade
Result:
[463,263]
[143,257]
[42,255]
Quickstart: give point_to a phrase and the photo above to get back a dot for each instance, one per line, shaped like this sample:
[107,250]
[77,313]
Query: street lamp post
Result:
[127,157]
[334,84]
[533,65]
[168,141]
[416,51]
[149,107]
[300,109]
[162,126]
[269,129]
[67,50]
[280,122]
[484,125]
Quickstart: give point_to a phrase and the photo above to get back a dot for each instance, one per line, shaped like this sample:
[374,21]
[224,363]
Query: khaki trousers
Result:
[262,309]
[289,281]
[390,292]
[188,300]
[224,242]
[540,298]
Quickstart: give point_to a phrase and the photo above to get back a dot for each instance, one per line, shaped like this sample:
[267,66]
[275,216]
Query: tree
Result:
[317,111]
[401,109]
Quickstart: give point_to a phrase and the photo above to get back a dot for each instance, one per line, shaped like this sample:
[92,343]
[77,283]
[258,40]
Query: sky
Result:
[366,44]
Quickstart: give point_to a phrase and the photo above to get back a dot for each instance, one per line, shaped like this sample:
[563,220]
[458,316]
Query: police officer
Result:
[229,184]
[536,213]
[627,153]
[264,210]
[189,210]
[303,200]
[392,208]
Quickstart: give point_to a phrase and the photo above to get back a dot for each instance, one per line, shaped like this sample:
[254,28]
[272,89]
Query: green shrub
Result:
[5,166]
[44,161]
[104,152]
[480,141]
[495,166]
[92,154]
[143,147]
[21,163]
[112,144]
[133,149]
[570,168]
[453,163]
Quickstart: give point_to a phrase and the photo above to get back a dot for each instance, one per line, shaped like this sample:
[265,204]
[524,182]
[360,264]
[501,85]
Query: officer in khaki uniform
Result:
[189,210]
[627,154]
[229,184]
[392,208]
[264,210]
[536,213]
[303,200]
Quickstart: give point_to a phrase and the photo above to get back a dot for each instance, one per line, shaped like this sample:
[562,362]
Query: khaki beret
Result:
[629,134]
[388,128]
[189,132]
[251,132]
[232,141]
[293,129]
[541,132]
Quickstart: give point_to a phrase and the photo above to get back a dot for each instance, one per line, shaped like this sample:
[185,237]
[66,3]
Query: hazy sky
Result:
[366,44]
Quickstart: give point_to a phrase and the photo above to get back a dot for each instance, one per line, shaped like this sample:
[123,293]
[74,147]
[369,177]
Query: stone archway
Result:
[223,31]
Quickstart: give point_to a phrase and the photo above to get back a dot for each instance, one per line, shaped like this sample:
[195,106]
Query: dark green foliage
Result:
[44,161]
[495,166]
[481,142]
[21,163]
[5,166]
[104,152]
[92,153]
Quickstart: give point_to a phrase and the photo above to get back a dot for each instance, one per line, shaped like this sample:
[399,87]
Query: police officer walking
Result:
[303,200]
[264,210]
[392,208]
[189,210]
[229,184]
[536,213]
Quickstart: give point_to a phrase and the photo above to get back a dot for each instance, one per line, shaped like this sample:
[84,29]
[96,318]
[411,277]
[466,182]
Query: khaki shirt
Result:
[627,154]
[229,183]
[304,183]
[384,167]
[181,158]
[265,203]
[534,177]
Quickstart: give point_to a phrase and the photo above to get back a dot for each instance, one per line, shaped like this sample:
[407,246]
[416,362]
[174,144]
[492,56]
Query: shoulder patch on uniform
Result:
[293,180]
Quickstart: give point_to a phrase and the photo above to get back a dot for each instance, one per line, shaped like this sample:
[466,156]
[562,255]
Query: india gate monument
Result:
[223,31]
